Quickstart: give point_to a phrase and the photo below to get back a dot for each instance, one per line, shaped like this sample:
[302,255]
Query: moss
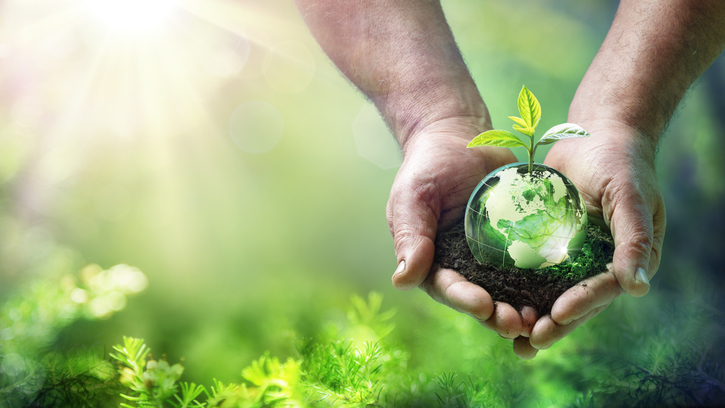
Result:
[596,253]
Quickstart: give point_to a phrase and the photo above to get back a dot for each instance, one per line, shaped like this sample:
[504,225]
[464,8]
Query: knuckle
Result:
[640,244]
[405,236]
[389,214]
[402,234]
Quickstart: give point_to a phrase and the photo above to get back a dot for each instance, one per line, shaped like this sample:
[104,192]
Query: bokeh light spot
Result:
[79,295]
[15,314]
[256,127]
[289,67]
[116,300]
[228,62]
[127,278]
[373,139]
[100,307]
[13,364]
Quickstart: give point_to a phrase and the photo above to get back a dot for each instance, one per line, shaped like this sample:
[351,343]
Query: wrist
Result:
[434,103]
[616,105]
[652,54]
[620,137]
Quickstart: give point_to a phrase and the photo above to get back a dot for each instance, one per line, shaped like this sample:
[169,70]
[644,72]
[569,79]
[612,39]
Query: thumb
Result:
[413,224]
[633,232]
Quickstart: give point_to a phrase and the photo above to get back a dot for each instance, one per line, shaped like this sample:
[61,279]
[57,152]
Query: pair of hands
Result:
[614,171]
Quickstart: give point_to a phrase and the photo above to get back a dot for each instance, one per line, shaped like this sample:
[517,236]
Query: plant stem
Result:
[532,150]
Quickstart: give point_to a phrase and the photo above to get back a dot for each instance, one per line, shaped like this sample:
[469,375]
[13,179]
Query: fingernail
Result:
[400,269]
[641,275]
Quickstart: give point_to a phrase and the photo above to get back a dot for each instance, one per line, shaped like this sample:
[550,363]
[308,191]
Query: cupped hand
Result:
[614,171]
[430,192]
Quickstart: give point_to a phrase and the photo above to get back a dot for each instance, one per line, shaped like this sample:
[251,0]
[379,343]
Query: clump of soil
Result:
[538,288]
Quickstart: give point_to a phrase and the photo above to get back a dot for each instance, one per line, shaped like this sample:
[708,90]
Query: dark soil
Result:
[538,288]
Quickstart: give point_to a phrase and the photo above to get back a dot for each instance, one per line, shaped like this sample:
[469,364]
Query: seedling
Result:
[530,112]
[525,214]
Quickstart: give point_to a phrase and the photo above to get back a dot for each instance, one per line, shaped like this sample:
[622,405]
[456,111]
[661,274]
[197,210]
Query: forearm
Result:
[402,55]
[652,54]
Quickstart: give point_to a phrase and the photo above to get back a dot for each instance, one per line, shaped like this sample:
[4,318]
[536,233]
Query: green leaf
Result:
[529,108]
[528,131]
[189,392]
[563,131]
[518,121]
[497,137]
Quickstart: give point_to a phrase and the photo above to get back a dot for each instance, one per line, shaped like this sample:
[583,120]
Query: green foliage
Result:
[339,372]
[36,369]
[276,382]
[370,315]
[73,379]
[156,383]
[362,363]
[596,253]
[452,393]
[335,372]
[560,132]
[32,318]
[678,365]
[497,137]
[152,382]
[530,111]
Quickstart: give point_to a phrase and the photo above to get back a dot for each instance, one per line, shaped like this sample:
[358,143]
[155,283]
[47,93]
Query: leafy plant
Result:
[156,383]
[152,382]
[367,318]
[336,372]
[452,393]
[36,368]
[530,111]
[451,369]
[339,371]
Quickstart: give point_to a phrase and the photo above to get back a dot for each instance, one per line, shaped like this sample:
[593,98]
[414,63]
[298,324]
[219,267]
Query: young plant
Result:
[530,112]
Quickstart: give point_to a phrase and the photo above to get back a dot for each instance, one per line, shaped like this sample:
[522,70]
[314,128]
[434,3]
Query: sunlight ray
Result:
[76,109]
[15,22]
[253,23]
[132,17]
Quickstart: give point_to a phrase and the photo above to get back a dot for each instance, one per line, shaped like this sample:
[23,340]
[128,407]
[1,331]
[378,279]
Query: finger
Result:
[453,290]
[633,230]
[529,316]
[546,332]
[585,296]
[660,225]
[414,225]
[523,349]
[505,320]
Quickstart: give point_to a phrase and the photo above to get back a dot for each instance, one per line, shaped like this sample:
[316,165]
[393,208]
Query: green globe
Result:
[528,220]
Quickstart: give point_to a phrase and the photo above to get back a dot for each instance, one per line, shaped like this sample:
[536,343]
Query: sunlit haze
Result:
[131,16]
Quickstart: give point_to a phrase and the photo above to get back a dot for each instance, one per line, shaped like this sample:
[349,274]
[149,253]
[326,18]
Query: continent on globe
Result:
[525,219]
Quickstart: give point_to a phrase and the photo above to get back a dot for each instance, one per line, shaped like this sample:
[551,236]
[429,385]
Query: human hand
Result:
[614,171]
[430,192]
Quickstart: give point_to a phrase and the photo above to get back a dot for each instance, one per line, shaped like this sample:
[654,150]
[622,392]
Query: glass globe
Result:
[528,220]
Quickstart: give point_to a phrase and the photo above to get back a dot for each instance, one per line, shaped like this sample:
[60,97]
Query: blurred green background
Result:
[213,146]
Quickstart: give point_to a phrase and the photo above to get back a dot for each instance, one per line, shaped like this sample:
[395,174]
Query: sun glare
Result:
[135,68]
[132,16]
